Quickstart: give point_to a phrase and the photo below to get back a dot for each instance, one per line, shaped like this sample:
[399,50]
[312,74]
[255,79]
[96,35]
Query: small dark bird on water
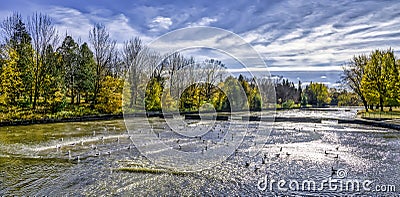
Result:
[288,154]
[280,150]
[277,155]
[337,148]
[179,147]
[247,164]
[334,171]
[326,153]
[256,168]
[262,160]
[337,156]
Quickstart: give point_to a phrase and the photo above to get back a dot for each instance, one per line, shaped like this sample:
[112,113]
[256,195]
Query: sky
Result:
[290,35]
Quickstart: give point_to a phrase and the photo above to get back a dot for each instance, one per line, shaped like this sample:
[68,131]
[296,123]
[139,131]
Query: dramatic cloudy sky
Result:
[290,34]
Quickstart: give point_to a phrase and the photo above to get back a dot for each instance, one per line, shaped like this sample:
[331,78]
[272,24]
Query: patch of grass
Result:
[151,171]
[381,115]
[390,136]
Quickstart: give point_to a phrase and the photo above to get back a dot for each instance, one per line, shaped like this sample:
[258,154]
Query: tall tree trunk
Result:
[365,105]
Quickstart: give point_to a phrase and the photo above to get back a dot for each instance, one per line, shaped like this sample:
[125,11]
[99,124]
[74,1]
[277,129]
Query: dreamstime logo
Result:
[170,76]
[341,173]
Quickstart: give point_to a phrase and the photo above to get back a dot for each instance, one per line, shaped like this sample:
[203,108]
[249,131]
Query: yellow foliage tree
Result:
[109,99]
[10,80]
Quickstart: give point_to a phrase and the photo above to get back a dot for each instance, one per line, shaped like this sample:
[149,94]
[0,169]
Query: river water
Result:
[89,158]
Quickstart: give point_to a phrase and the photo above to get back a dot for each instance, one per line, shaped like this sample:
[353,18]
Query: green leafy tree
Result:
[69,51]
[317,94]
[235,94]
[53,84]
[85,73]
[380,81]
[348,99]
[153,95]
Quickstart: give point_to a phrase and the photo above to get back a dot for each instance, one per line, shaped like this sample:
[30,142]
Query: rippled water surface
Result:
[96,158]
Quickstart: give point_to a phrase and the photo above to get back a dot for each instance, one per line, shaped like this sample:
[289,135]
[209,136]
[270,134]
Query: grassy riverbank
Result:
[380,115]
[27,115]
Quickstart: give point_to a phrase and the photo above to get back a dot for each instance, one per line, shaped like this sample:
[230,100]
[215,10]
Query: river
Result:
[89,158]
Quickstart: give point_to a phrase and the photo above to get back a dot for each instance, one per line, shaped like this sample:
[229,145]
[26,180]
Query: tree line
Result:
[40,74]
[43,74]
[289,95]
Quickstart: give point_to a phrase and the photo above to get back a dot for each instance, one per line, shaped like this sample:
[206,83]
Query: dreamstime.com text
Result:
[340,184]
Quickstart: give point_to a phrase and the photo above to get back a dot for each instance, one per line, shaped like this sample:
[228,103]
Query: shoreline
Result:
[105,117]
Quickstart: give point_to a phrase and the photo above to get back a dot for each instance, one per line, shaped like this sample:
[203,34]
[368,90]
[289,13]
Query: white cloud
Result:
[160,23]
[281,68]
[205,21]
[78,24]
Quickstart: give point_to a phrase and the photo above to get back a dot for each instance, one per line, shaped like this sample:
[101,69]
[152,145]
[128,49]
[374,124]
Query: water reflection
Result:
[43,159]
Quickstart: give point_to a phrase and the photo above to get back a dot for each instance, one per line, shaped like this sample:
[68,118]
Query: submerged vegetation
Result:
[151,171]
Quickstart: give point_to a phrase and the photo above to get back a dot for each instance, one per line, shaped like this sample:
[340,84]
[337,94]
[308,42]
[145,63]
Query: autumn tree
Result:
[10,80]
[317,94]
[353,73]
[44,35]
[134,60]
[18,39]
[380,81]
[103,50]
